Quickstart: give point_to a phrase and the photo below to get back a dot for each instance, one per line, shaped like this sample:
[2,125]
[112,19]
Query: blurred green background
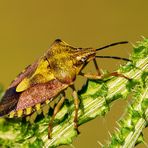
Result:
[27,28]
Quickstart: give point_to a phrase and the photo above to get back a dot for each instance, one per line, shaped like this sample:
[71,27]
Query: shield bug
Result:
[48,77]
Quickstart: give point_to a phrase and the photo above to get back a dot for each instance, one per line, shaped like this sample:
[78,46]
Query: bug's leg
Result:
[116,74]
[92,76]
[99,76]
[76,103]
[56,110]
[97,67]
[31,118]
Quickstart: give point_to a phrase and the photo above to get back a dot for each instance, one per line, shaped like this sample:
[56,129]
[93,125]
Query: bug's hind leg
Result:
[76,103]
[56,110]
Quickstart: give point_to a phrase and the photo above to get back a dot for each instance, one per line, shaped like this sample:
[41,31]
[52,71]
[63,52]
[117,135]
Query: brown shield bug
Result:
[48,77]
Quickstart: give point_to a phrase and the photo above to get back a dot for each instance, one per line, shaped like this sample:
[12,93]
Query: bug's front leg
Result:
[100,76]
[97,67]
[94,76]
[76,103]
[56,110]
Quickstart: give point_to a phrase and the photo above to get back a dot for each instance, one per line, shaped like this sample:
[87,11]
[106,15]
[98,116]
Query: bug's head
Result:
[83,56]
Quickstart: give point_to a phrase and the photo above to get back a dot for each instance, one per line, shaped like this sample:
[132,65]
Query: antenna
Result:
[113,44]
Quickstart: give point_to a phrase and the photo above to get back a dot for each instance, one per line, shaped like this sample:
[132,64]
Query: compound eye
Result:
[83,59]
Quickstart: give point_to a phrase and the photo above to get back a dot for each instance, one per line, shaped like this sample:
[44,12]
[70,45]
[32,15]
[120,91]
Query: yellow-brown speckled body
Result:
[45,79]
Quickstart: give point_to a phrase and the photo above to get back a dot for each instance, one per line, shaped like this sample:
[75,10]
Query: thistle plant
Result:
[96,98]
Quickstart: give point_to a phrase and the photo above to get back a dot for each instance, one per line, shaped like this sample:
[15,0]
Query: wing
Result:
[33,96]
[40,93]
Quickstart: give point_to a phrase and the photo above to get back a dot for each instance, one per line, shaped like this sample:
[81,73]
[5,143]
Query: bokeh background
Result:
[27,28]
